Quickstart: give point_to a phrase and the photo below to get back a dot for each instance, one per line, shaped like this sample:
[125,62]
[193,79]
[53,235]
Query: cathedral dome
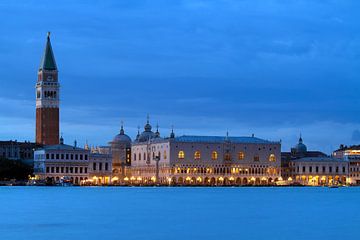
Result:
[300,147]
[147,134]
[122,137]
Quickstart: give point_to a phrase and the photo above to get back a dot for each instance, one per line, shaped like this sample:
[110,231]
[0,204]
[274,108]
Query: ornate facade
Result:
[203,160]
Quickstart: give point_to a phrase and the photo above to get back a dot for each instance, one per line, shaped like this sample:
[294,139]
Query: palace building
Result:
[203,160]
[47,99]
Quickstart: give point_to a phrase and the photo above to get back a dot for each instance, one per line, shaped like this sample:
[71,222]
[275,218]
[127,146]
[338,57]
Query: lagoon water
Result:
[179,213]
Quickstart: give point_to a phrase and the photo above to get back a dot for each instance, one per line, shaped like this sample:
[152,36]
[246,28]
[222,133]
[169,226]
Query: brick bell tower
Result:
[47,99]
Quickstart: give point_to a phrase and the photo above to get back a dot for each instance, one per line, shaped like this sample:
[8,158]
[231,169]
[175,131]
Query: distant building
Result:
[319,171]
[47,99]
[352,155]
[203,160]
[15,150]
[297,152]
[61,162]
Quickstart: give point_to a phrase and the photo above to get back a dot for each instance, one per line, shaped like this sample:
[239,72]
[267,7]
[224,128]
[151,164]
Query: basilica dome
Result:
[122,137]
[147,134]
[300,147]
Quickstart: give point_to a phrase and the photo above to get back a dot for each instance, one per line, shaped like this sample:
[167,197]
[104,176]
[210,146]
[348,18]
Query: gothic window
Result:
[134,156]
[241,155]
[197,155]
[214,155]
[165,155]
[181,155]
[272,158]
[256,158]
[227,156]
[139,156]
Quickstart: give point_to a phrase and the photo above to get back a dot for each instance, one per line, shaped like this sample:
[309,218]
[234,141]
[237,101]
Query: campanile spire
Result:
[47,98]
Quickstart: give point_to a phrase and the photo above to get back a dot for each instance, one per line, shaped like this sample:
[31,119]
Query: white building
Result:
[319,171]
[59,163]
[352,155]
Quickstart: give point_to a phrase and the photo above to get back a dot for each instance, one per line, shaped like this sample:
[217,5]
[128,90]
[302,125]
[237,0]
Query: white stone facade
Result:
[193,160]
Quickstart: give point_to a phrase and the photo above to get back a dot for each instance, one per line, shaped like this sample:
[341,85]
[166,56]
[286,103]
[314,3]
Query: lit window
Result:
[272,158]
[165,155]
[181,155]
[241,155]
[197,155]
[214,155]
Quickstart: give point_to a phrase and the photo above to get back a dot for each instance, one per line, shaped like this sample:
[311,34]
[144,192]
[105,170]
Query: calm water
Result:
[179,213]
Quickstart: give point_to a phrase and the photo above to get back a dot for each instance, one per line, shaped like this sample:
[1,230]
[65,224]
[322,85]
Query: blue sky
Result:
[270,67]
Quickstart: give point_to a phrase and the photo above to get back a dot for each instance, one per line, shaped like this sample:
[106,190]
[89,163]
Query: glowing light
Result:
[126,179]
[139,178]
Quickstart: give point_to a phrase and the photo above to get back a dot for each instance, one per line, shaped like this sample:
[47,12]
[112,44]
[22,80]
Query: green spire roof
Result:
[48,59]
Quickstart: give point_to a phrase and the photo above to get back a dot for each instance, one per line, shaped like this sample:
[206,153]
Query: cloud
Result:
[265,67]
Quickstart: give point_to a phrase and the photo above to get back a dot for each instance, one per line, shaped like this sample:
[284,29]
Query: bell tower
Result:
[47,99]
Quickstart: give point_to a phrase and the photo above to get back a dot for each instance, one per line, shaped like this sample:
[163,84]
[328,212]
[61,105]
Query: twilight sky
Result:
[274,68]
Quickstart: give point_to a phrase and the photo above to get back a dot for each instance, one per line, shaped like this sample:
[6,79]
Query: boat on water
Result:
[65,182]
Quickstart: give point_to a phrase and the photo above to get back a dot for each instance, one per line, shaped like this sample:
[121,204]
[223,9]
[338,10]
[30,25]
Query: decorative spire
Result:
[122,132]
[147,126]
[227,135]
[300,139]
[172,134]
[157,133]
[138,133]
[48,59]
[61,139]
[86,147]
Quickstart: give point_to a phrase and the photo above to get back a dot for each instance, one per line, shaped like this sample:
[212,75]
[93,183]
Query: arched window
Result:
[139,156]
[134,156]
[197,155]
[227,156]
[214,155]
[165,155]
[181,155]
[241,155]
[144,156]
[272,158]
